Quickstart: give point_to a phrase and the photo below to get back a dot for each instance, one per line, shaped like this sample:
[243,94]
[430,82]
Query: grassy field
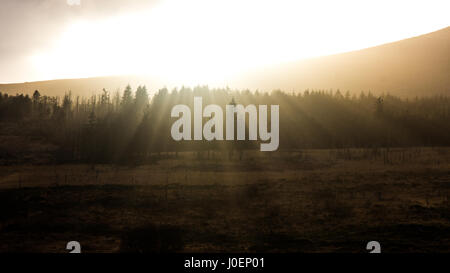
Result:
[297,201]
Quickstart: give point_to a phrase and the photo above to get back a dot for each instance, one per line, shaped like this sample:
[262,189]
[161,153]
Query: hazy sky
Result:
[194,40]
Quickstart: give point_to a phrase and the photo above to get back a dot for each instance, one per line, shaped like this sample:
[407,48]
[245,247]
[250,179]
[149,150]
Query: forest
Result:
[105,171]
[132,126]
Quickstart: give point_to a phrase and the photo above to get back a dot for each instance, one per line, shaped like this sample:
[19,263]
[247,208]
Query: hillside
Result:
[416,66]
[419,66]
[82,87]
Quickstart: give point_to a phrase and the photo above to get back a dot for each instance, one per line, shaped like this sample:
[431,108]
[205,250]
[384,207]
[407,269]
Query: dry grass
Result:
[302,201]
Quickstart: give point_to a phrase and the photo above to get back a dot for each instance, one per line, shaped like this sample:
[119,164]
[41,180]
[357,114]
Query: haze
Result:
[194,42]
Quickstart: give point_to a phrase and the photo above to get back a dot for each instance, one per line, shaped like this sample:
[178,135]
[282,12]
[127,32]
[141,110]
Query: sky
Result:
[194,41]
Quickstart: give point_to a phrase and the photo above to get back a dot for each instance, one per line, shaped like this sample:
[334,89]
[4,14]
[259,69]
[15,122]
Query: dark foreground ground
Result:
[303,201]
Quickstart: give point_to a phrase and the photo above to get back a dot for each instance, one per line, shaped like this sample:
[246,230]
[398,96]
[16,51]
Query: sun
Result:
[172,41]
[210,41]
[184,42]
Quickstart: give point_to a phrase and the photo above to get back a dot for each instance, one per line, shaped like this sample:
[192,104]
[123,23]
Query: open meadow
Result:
[285,201]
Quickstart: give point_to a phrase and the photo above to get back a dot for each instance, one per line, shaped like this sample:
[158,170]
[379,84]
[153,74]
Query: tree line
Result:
[132,126]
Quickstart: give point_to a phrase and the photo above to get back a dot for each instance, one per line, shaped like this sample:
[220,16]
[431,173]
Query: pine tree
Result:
[127,97]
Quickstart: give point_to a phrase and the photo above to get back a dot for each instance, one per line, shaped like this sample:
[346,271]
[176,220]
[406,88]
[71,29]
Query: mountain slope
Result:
[415,66]
[82,87]
[419,66]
